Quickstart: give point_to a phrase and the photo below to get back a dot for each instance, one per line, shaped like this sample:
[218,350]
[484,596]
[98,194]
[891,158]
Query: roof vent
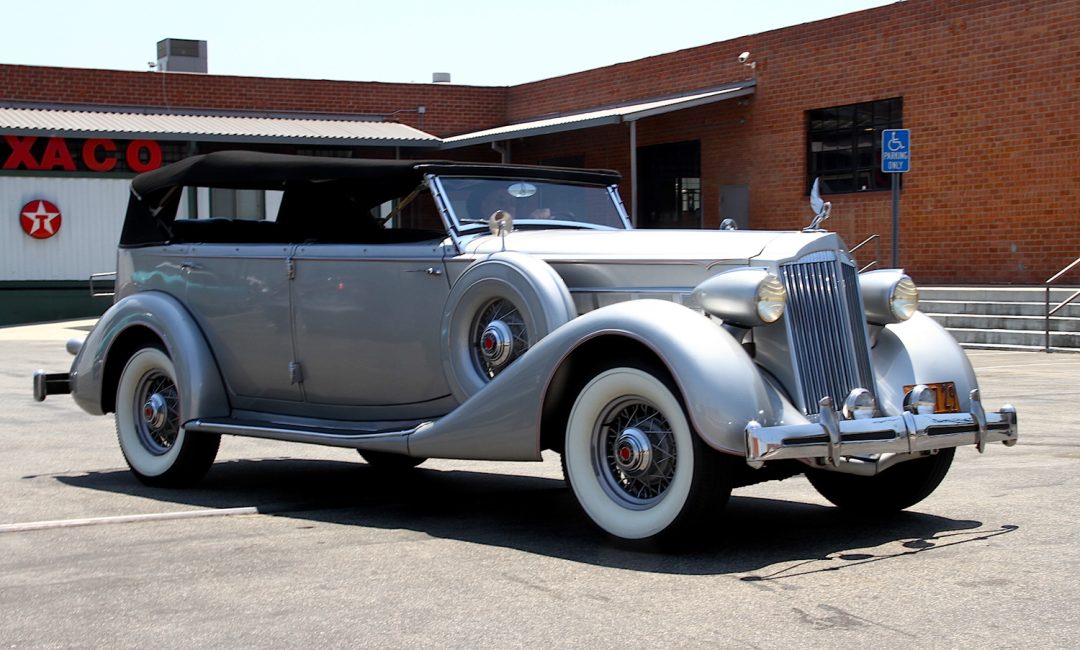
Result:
[181,55]
[440,77]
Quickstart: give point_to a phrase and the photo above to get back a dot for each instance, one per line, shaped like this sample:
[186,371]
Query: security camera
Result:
[744,57]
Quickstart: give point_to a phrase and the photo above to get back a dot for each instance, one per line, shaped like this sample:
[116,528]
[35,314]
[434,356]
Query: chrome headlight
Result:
[743,297]
[889,296]
[921,400]
[771,298]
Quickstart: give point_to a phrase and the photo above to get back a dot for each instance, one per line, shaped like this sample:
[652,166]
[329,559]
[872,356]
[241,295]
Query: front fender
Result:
[131,320]
[721,386]
[919,351]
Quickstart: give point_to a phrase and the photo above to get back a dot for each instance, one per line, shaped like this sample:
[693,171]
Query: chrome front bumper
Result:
[832,438]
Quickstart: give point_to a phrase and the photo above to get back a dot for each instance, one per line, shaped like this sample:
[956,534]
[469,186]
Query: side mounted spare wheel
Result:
[148,424]
[497,310]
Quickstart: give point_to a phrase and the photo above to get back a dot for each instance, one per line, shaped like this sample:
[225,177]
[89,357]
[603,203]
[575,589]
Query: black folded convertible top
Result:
[155,195]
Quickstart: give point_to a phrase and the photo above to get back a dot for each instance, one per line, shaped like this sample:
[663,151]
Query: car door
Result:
[239,295]
[368,319]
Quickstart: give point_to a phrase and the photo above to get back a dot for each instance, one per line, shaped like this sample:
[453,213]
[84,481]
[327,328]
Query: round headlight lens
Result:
[771,297]
[904,300]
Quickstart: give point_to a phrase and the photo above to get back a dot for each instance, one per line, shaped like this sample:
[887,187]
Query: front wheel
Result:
[634,463]
[898,487]
[148,424]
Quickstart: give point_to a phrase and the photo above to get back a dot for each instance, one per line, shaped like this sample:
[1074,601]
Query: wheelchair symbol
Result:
[894,143]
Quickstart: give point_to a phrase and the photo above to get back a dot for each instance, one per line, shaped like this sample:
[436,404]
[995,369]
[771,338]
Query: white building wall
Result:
[92,212]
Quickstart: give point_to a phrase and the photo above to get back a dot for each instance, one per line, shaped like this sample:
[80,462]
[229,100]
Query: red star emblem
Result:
[40,219]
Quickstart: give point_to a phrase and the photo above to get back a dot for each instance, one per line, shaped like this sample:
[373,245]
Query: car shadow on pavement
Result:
[756,539]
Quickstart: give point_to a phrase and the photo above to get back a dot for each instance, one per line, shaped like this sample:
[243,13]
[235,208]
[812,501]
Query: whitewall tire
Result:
[148,424]
[633,461]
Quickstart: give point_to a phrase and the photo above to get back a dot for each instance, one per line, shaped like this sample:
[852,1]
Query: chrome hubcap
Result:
[633,452]
[155,410]
[497,343]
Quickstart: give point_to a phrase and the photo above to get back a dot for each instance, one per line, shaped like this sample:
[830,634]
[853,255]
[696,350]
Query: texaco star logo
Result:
[40,219]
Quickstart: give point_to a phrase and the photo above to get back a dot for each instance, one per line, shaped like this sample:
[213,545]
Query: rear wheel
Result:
[634,463]
[898,487]
[148,424]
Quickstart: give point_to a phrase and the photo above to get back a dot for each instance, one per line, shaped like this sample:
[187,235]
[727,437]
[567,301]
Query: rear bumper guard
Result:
[46,384]
[832,438]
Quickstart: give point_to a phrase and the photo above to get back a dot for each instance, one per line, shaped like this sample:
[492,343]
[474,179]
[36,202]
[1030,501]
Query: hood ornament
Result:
[820,208]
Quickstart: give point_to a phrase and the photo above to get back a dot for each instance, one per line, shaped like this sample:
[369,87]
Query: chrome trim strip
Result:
[686,290]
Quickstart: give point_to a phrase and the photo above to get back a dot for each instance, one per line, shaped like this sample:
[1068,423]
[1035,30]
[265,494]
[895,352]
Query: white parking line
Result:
[128,519]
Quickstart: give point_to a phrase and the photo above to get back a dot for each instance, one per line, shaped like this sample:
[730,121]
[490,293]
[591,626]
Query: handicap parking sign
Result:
[896,150]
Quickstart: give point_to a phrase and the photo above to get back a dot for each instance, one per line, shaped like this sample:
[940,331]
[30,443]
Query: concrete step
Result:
[995,321]
[1007,337]
[935,306]
[1004,317]
[997,293]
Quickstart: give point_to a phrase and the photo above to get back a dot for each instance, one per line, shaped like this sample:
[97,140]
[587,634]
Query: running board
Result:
[395,442]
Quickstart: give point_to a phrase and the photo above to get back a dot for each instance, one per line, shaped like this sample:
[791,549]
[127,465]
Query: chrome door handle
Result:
[190,266]
[431,270]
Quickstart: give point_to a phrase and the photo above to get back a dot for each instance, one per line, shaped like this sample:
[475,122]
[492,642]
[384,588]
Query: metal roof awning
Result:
[211,128]
[613,115]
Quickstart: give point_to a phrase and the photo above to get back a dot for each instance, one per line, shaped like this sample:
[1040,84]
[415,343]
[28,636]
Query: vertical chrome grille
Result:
[826,329]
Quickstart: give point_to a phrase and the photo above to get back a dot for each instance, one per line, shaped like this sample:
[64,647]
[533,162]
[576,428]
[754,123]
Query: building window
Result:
[844,145]
[238,204]
[670,179]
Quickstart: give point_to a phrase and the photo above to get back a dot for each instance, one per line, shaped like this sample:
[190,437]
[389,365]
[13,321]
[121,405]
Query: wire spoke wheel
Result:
[636,467]
[157,415]
[149,423]
[635,452]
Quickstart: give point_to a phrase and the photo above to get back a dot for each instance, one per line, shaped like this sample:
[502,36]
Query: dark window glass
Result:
[670,179]
[844,145]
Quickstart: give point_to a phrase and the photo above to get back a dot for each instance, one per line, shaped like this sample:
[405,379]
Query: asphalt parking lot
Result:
[289,545]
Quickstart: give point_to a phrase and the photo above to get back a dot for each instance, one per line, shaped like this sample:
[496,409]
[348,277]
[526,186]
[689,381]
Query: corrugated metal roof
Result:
[71,123]
[588,119]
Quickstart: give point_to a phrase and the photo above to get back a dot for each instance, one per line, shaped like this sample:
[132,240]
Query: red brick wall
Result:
[450,109]
[990,89]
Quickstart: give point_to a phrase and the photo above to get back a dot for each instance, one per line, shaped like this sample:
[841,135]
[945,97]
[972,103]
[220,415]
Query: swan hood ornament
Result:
[821,208]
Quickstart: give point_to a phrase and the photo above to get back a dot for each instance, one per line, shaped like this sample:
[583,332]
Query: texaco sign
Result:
[40,219]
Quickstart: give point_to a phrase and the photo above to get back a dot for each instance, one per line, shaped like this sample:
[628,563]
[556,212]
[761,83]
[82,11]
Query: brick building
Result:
[989,89]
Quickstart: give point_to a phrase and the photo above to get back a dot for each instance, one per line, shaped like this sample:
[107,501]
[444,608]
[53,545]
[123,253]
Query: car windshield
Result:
[532,203]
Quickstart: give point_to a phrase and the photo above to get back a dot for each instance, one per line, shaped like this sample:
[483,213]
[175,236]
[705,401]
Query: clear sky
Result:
[480,42]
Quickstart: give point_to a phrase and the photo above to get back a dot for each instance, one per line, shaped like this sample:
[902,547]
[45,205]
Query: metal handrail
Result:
[1051,312]
[877,250]
[863,243]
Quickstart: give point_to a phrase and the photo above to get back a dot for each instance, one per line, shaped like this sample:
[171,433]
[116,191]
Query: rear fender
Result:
[140,319]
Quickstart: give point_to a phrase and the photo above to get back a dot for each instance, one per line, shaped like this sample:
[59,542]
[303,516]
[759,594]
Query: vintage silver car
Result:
[415,310]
